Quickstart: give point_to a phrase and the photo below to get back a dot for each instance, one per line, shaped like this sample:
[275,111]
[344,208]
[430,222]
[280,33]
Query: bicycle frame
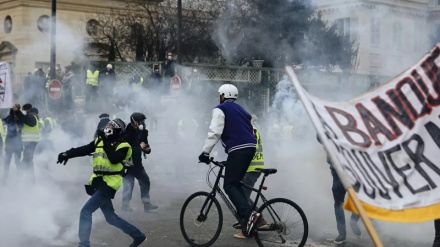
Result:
[216,190]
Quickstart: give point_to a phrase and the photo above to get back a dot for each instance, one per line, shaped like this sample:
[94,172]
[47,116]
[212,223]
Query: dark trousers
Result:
[339,196]
[237,164]
[250,179]
[28,161]
[141,175]
[8,159]
[437,233]
[99,200]
[91,98]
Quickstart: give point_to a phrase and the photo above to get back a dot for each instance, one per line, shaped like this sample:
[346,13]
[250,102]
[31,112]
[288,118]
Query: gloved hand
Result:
[62,157]
[204,158]
[101,134]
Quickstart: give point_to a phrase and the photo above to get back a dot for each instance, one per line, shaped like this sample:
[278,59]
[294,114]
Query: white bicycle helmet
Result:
[229,91]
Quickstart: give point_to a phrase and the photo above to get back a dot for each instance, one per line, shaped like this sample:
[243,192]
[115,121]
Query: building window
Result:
[8,24]
[343,26]
[43,23]
[347,27]
[92,27]
[397,35]
[374,60]
[375,32]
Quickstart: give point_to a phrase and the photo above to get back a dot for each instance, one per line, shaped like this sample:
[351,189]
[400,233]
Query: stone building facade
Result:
[391,35]
[25,31]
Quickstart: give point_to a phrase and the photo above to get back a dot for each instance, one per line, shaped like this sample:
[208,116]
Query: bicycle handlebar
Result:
[218,163]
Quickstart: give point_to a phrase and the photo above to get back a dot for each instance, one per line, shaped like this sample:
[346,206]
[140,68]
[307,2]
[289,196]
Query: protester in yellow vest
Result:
[13,144]
[2,133]
[30,135]
[251,176]
[50,124]
[136,82]
[92,82]
[111,157]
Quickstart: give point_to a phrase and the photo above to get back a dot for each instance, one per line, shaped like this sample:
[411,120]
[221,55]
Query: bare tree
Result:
[144,30]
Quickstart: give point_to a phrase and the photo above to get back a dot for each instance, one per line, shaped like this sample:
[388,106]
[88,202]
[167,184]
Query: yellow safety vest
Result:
[2,131]
[31,134]
[138,84]
[52,122]
[47,80]
[41,124]
[92,78]
[258,160]
[102,164]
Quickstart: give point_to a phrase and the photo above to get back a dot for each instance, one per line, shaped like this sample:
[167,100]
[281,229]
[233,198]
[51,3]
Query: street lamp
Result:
[179,31]
[53,40]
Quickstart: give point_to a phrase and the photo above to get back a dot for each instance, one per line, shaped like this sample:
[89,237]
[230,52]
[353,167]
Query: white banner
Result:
[388,142]
[6,95]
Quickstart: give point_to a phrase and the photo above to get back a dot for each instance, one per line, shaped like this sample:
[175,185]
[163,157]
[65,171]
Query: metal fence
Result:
[256,82]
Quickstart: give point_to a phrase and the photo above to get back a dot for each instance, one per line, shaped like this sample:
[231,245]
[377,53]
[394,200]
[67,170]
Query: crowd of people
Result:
[119,147]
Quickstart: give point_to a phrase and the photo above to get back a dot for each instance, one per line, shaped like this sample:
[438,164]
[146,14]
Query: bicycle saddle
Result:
[267,171]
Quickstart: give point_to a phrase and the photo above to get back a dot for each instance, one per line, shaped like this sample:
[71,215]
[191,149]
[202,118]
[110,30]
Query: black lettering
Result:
[400,170]
[374,126]
[418,157]
[392,180]
[401,93]
[365,173]
[434,132]
[357,184]
[350,127]
[397,111]
[383,191]
[421,83]
[325,125]
[348,157]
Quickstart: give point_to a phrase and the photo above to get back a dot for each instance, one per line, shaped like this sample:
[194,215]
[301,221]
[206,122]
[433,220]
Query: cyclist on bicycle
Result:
[231,124]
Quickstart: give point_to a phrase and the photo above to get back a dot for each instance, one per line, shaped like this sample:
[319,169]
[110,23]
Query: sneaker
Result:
[126,208]
[239,235]
[252,224]
[138,241]
[355,228]
[340,239]
[148,206]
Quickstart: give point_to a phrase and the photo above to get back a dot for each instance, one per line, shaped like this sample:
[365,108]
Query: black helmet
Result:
[118,126]
[137,117]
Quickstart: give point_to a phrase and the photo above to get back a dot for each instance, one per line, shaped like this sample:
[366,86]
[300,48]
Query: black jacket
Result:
[135,137]
[28,119]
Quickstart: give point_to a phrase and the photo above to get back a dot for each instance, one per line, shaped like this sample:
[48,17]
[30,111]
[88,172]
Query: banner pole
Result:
[335,162]
[367,222]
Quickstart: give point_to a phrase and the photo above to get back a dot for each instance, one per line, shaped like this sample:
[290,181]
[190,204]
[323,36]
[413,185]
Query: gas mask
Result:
[108,131]
[24,112]
[141,127]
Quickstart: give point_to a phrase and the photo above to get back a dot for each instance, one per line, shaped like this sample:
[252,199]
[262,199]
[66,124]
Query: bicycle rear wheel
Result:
[287,224]
[201,219]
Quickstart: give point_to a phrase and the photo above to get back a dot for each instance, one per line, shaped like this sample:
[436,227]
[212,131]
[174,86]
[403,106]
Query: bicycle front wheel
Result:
[287,224]
[201,219]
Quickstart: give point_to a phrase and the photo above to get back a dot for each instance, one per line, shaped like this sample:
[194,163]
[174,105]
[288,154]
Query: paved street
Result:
[47,214]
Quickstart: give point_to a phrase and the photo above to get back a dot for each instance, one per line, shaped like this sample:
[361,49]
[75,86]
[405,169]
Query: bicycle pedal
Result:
[237,225]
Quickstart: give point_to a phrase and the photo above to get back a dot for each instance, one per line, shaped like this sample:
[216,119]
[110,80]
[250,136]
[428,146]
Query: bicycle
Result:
[202,211]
